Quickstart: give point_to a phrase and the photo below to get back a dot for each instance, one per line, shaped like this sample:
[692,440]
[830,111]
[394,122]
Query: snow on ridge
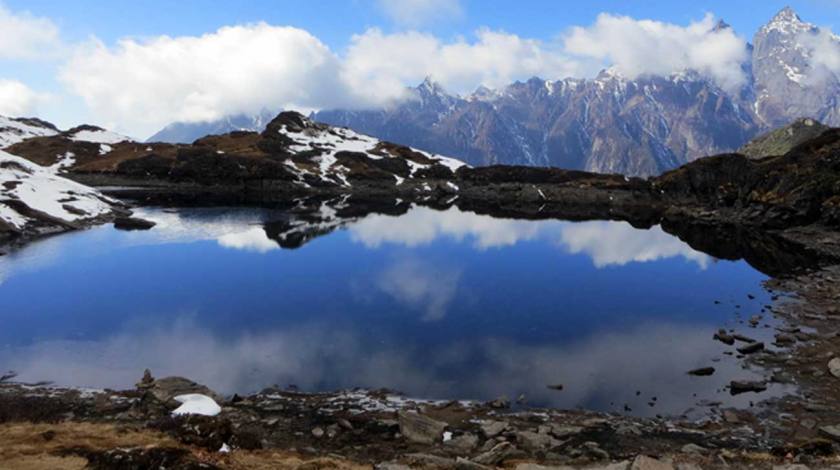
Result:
[98,137]
[14,131]
[42,190]
[332,140]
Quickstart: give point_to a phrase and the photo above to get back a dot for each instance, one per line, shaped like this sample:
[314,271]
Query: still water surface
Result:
[436,304]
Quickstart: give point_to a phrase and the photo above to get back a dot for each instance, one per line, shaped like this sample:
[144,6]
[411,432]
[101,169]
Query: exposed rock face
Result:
[783,140]
[608,125]
[787,84]
[798,188]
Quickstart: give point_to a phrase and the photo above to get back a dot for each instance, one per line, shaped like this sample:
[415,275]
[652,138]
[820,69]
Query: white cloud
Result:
[17,99]
[24,36]
[143,85]
[421,285]
[641,47]
[378,66]
[824,47]
[418,12]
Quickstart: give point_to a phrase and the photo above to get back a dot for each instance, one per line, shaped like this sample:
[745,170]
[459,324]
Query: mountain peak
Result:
[721,26]
[431,87]
[787,21]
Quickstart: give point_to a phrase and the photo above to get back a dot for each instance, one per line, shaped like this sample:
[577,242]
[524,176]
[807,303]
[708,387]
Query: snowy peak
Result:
[93,134]
[786,22]
[15,130]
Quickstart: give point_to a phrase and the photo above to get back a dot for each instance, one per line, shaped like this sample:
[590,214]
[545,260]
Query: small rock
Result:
[499,453]
[646,463]
[694,449]
[534,442]
[702,372]
[419,428]
[133,223]
[491,429]
[318,433]
[832,432]
[465,464]
[785,338]
[744,339]
[345,424]
[391,466]
[834,367]
[724,337]
[463,443]
[557,387]
[147,381]
[737,387]
[500,403]
[751,348]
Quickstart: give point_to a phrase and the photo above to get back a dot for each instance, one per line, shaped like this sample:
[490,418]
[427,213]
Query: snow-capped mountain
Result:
[787,84]
[14,130]
[609,123]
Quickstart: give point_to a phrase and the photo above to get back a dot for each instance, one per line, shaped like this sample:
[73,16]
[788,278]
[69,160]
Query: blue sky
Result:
[366,40]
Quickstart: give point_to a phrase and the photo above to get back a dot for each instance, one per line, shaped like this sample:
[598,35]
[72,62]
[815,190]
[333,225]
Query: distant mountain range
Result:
[609,124]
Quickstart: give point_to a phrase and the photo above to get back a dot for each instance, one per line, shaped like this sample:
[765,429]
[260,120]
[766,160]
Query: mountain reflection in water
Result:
[439,304]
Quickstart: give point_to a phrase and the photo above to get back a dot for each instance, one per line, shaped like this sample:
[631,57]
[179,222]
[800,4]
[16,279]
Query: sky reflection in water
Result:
[435,304]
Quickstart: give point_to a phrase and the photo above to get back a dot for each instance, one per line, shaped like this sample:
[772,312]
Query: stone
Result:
[533,442]
[643,462]
[466,464]
[694,449]
[429,459]
[147,381]
[318,433]
[166,389]
[702,372]
[491,429]
[420,428]
[463,443]
[724,337]
[500,403]
[133,223]
[562,432]
[391,466]
[751,348]
[499,453]
[737,387]
[834,367]
[831,432]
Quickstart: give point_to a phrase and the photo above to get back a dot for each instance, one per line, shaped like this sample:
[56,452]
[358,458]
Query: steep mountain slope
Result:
[609,124]
[787,85]
[782,140]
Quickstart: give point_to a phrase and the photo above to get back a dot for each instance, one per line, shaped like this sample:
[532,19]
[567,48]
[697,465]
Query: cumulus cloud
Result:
[24,36]
[17,99]
[824,47]
[378,65]
[143,85]
[646,47]
[418,12]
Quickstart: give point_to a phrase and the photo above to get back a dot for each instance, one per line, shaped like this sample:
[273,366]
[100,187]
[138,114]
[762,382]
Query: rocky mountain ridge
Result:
[610,123]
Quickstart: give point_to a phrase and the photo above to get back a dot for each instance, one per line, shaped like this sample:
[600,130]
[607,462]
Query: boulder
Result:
[420,428]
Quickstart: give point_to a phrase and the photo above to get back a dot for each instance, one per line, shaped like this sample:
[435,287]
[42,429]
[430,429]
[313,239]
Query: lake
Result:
[435,304]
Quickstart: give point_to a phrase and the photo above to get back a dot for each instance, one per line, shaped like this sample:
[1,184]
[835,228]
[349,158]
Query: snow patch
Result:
[196,404]
[98,137]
